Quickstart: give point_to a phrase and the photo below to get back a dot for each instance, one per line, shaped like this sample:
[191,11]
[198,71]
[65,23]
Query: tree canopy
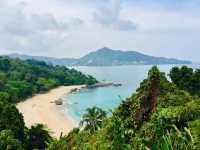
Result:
[187,79]
[159,115]
[21,79]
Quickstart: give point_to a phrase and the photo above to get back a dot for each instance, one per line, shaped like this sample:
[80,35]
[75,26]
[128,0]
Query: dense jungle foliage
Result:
[160,115]
[21,79]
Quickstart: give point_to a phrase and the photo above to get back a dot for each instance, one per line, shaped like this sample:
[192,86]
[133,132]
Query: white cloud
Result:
[109,15]
[72,28]
[33,32]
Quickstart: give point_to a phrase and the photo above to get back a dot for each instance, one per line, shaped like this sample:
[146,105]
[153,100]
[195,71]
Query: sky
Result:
[72,28]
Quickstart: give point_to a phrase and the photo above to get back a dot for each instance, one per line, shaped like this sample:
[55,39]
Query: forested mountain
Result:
[106,57]
[48,60]
[20,79]
[109,57]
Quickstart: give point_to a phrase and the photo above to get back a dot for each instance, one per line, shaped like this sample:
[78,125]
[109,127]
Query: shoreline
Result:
[41,108]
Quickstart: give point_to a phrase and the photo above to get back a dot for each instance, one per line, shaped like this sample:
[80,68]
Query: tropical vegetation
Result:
[160,115]
[21,79]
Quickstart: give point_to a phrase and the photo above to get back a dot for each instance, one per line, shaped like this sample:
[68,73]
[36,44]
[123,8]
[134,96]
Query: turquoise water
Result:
[108,97]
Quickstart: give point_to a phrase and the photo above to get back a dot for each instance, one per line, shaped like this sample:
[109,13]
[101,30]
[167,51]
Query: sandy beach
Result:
[40,109]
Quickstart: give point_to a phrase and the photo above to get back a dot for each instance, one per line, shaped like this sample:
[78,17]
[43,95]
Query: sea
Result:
[108,98]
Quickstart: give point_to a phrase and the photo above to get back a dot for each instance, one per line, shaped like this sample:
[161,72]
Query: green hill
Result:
[20,79]
[48,60]
[109,57]
[106,57]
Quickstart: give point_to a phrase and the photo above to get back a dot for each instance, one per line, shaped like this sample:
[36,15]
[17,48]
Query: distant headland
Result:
[106,57]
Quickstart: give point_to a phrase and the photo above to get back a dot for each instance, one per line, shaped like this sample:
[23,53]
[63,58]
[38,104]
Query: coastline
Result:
[42,109]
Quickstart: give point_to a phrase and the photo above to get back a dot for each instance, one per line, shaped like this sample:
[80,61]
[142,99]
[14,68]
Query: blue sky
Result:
[72,28]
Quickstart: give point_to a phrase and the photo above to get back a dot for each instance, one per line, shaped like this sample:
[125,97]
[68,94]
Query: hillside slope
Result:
[106,57]
[49,60]
[109,57]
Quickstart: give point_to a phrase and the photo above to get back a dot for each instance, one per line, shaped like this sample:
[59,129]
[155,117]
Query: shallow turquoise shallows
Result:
[108,98]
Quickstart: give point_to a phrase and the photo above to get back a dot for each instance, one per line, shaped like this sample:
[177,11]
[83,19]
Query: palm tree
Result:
[38,137]
[92,119]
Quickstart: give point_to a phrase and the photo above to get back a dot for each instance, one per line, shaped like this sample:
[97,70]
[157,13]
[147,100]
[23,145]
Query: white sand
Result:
[40,109]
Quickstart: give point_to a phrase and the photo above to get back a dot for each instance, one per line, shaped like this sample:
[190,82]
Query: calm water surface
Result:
[108,97]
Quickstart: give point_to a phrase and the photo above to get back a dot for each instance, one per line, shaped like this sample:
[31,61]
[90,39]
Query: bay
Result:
[108,98]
